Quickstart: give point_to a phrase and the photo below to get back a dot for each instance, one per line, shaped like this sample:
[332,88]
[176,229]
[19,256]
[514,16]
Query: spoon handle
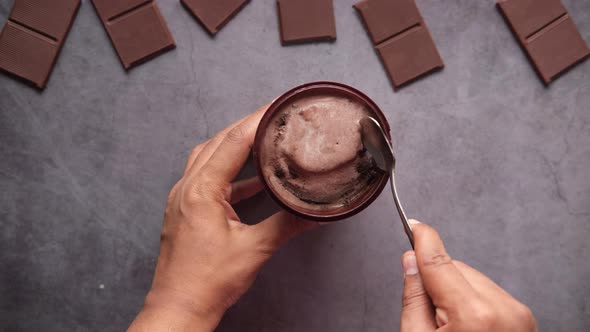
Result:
[400,209]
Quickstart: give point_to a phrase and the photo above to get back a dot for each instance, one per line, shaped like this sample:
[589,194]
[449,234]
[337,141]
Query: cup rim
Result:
[277,104]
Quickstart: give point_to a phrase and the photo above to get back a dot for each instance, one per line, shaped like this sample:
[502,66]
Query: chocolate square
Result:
[409,55]
[214,14]
[136,29]
[557,49]
[32,38]
[528,16]
[27,55]
[50,17]
[401,39]
[386,18]
[110,9]
[306,21]
[547,33]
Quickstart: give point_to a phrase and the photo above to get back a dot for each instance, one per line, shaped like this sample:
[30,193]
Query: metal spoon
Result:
[376,142]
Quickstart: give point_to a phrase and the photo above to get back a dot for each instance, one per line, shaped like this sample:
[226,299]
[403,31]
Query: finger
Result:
[206,150]
[447,287]
[507,305]
[279,228]
[193,156]
[481,283]
[231,154]
[417,310]
[244,189]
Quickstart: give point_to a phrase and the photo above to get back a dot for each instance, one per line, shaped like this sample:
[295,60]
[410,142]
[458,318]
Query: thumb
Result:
[276,230]
[417,309]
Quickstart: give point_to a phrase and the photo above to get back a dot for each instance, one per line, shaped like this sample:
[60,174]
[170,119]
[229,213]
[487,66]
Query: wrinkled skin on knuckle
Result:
[198,191]
[192,202]
[437,259]
[414,297]
[236,135]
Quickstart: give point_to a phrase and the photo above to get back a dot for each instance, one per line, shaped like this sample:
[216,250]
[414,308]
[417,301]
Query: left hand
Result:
[208,257]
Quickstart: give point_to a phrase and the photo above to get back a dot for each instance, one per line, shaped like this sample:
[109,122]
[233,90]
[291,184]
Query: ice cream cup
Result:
[361,199]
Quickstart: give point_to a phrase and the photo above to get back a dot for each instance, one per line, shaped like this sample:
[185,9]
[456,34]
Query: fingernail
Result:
[414,222]
[410,265]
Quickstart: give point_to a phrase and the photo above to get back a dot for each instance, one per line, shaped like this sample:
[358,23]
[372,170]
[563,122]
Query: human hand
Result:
[441,294]
[208,257]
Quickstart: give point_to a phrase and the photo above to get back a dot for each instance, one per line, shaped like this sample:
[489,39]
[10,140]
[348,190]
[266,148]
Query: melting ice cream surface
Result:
[312,153]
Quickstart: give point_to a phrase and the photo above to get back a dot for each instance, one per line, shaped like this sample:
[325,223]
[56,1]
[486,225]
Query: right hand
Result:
[441,294]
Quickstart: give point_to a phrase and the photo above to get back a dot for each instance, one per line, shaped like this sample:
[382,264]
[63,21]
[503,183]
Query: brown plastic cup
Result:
[361,201]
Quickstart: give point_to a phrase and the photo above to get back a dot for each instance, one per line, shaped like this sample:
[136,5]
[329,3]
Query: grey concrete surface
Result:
[497,162]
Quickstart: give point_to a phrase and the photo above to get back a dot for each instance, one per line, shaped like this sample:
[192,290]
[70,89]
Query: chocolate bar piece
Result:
[33,37]
[213,14]
[547,33]
[306,21]
[136,29]
[401,39]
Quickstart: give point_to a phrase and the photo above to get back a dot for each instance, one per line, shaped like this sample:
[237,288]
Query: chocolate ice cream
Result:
[311,153]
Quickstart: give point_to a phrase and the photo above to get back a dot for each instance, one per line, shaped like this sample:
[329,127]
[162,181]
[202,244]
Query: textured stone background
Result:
[498,163]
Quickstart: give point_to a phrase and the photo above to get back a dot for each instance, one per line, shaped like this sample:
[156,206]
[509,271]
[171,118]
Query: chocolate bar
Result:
[547,33]
[32,38]
[136,28]
[306,21]
[401,38]
[213,14]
